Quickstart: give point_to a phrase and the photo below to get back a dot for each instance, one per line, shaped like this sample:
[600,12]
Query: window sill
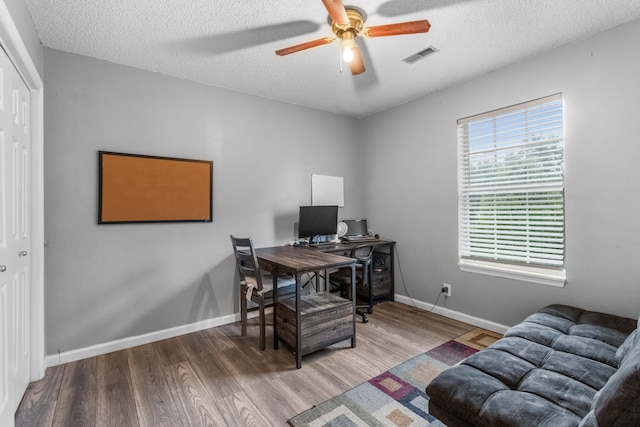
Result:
[516,272]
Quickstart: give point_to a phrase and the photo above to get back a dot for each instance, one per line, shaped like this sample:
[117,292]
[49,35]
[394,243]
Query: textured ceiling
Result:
[230,43]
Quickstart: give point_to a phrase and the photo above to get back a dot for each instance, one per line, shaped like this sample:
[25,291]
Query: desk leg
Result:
[275,273]
[353,302]
[298,325]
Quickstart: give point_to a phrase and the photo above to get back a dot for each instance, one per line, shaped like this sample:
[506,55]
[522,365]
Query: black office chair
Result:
[340,280]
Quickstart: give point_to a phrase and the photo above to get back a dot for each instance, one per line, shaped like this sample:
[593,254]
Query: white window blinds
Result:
[511,185]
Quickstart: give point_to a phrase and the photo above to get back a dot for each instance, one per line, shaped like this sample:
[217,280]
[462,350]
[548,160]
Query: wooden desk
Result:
[308,323]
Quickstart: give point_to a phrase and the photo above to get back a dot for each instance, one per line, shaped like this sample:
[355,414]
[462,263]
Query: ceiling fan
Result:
[347,23]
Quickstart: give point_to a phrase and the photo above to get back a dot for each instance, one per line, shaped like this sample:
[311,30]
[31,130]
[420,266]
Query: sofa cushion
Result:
[587,347]
[530,351]
[513,369]
[584,370]
[535,332]
[508,408]
[468,399]
[561,324]
[580,316]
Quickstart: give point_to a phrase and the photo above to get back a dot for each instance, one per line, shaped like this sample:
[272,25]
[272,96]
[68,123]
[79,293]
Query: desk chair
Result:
[255,285]
[341,279]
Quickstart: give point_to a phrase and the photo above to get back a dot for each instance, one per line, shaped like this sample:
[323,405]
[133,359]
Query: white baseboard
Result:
[99,349]
[108,347]
[472,320]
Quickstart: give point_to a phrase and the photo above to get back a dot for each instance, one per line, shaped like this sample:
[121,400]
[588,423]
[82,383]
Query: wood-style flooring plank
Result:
[211,371]
[239,410]
[193,402]
[246,363]
[116,407]
[421,324]
[318,382]
[113,368]
[274,398]
[216,377]
[116,402]
[39,402]
[155,405]
[77,400]
[169,352]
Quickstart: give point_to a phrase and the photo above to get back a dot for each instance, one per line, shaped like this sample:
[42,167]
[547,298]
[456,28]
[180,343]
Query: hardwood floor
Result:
[216,377]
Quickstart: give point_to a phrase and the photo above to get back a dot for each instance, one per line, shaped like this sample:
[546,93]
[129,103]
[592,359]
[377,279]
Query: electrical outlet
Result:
[446,289]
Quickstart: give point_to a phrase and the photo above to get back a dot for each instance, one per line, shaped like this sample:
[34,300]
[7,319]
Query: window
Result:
[511,192]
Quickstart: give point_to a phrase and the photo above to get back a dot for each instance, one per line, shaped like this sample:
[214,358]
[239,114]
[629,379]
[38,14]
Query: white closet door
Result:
[15,239]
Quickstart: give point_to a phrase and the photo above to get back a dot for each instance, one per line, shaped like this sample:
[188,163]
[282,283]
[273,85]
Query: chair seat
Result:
[286,285]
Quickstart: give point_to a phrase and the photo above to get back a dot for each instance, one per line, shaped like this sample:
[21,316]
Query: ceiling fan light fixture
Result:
[347,54]
[347,43]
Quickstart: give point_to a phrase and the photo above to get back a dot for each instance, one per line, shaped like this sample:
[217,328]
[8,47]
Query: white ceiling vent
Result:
[420,55]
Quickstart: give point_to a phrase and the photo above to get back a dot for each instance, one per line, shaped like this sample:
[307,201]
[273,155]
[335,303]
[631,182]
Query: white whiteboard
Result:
[327,190]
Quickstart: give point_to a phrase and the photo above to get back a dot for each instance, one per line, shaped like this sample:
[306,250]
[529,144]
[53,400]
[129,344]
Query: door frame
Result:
[14,46]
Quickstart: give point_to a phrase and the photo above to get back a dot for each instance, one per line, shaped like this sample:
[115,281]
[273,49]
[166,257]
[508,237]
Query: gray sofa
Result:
[562,366]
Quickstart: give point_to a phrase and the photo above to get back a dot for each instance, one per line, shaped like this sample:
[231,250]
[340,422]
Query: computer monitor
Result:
[317,221]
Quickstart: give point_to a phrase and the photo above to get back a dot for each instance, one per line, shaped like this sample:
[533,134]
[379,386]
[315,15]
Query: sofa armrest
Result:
[616,404]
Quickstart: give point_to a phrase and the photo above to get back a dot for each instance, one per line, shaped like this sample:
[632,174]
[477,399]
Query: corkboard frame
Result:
[136,188]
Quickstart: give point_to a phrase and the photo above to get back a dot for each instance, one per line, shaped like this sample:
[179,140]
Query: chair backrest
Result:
[364,255]
[247,261]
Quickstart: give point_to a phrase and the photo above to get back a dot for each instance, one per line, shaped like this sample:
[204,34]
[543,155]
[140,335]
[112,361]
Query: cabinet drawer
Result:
[338,330]
[381,283]
[310,322]
[315,335]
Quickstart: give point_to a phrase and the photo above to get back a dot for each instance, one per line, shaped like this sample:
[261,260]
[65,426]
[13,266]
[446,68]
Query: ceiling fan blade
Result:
[337,12]
[356,64]
[399,29]
[304,46]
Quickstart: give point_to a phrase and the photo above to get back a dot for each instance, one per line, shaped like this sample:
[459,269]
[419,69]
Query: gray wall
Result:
[415,200]
[107,282]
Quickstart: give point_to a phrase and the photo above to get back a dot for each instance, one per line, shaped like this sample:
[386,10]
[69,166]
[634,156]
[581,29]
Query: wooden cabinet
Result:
[383,270]
[325,319]
[382,276]
[306,323]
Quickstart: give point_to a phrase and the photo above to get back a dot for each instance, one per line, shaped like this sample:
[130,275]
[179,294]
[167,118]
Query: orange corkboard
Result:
[137,188]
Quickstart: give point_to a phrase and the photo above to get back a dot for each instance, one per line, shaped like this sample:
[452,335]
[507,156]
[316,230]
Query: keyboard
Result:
[360,239]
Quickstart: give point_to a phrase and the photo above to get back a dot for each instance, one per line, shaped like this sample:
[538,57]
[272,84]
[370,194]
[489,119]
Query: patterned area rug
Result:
[396,397]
